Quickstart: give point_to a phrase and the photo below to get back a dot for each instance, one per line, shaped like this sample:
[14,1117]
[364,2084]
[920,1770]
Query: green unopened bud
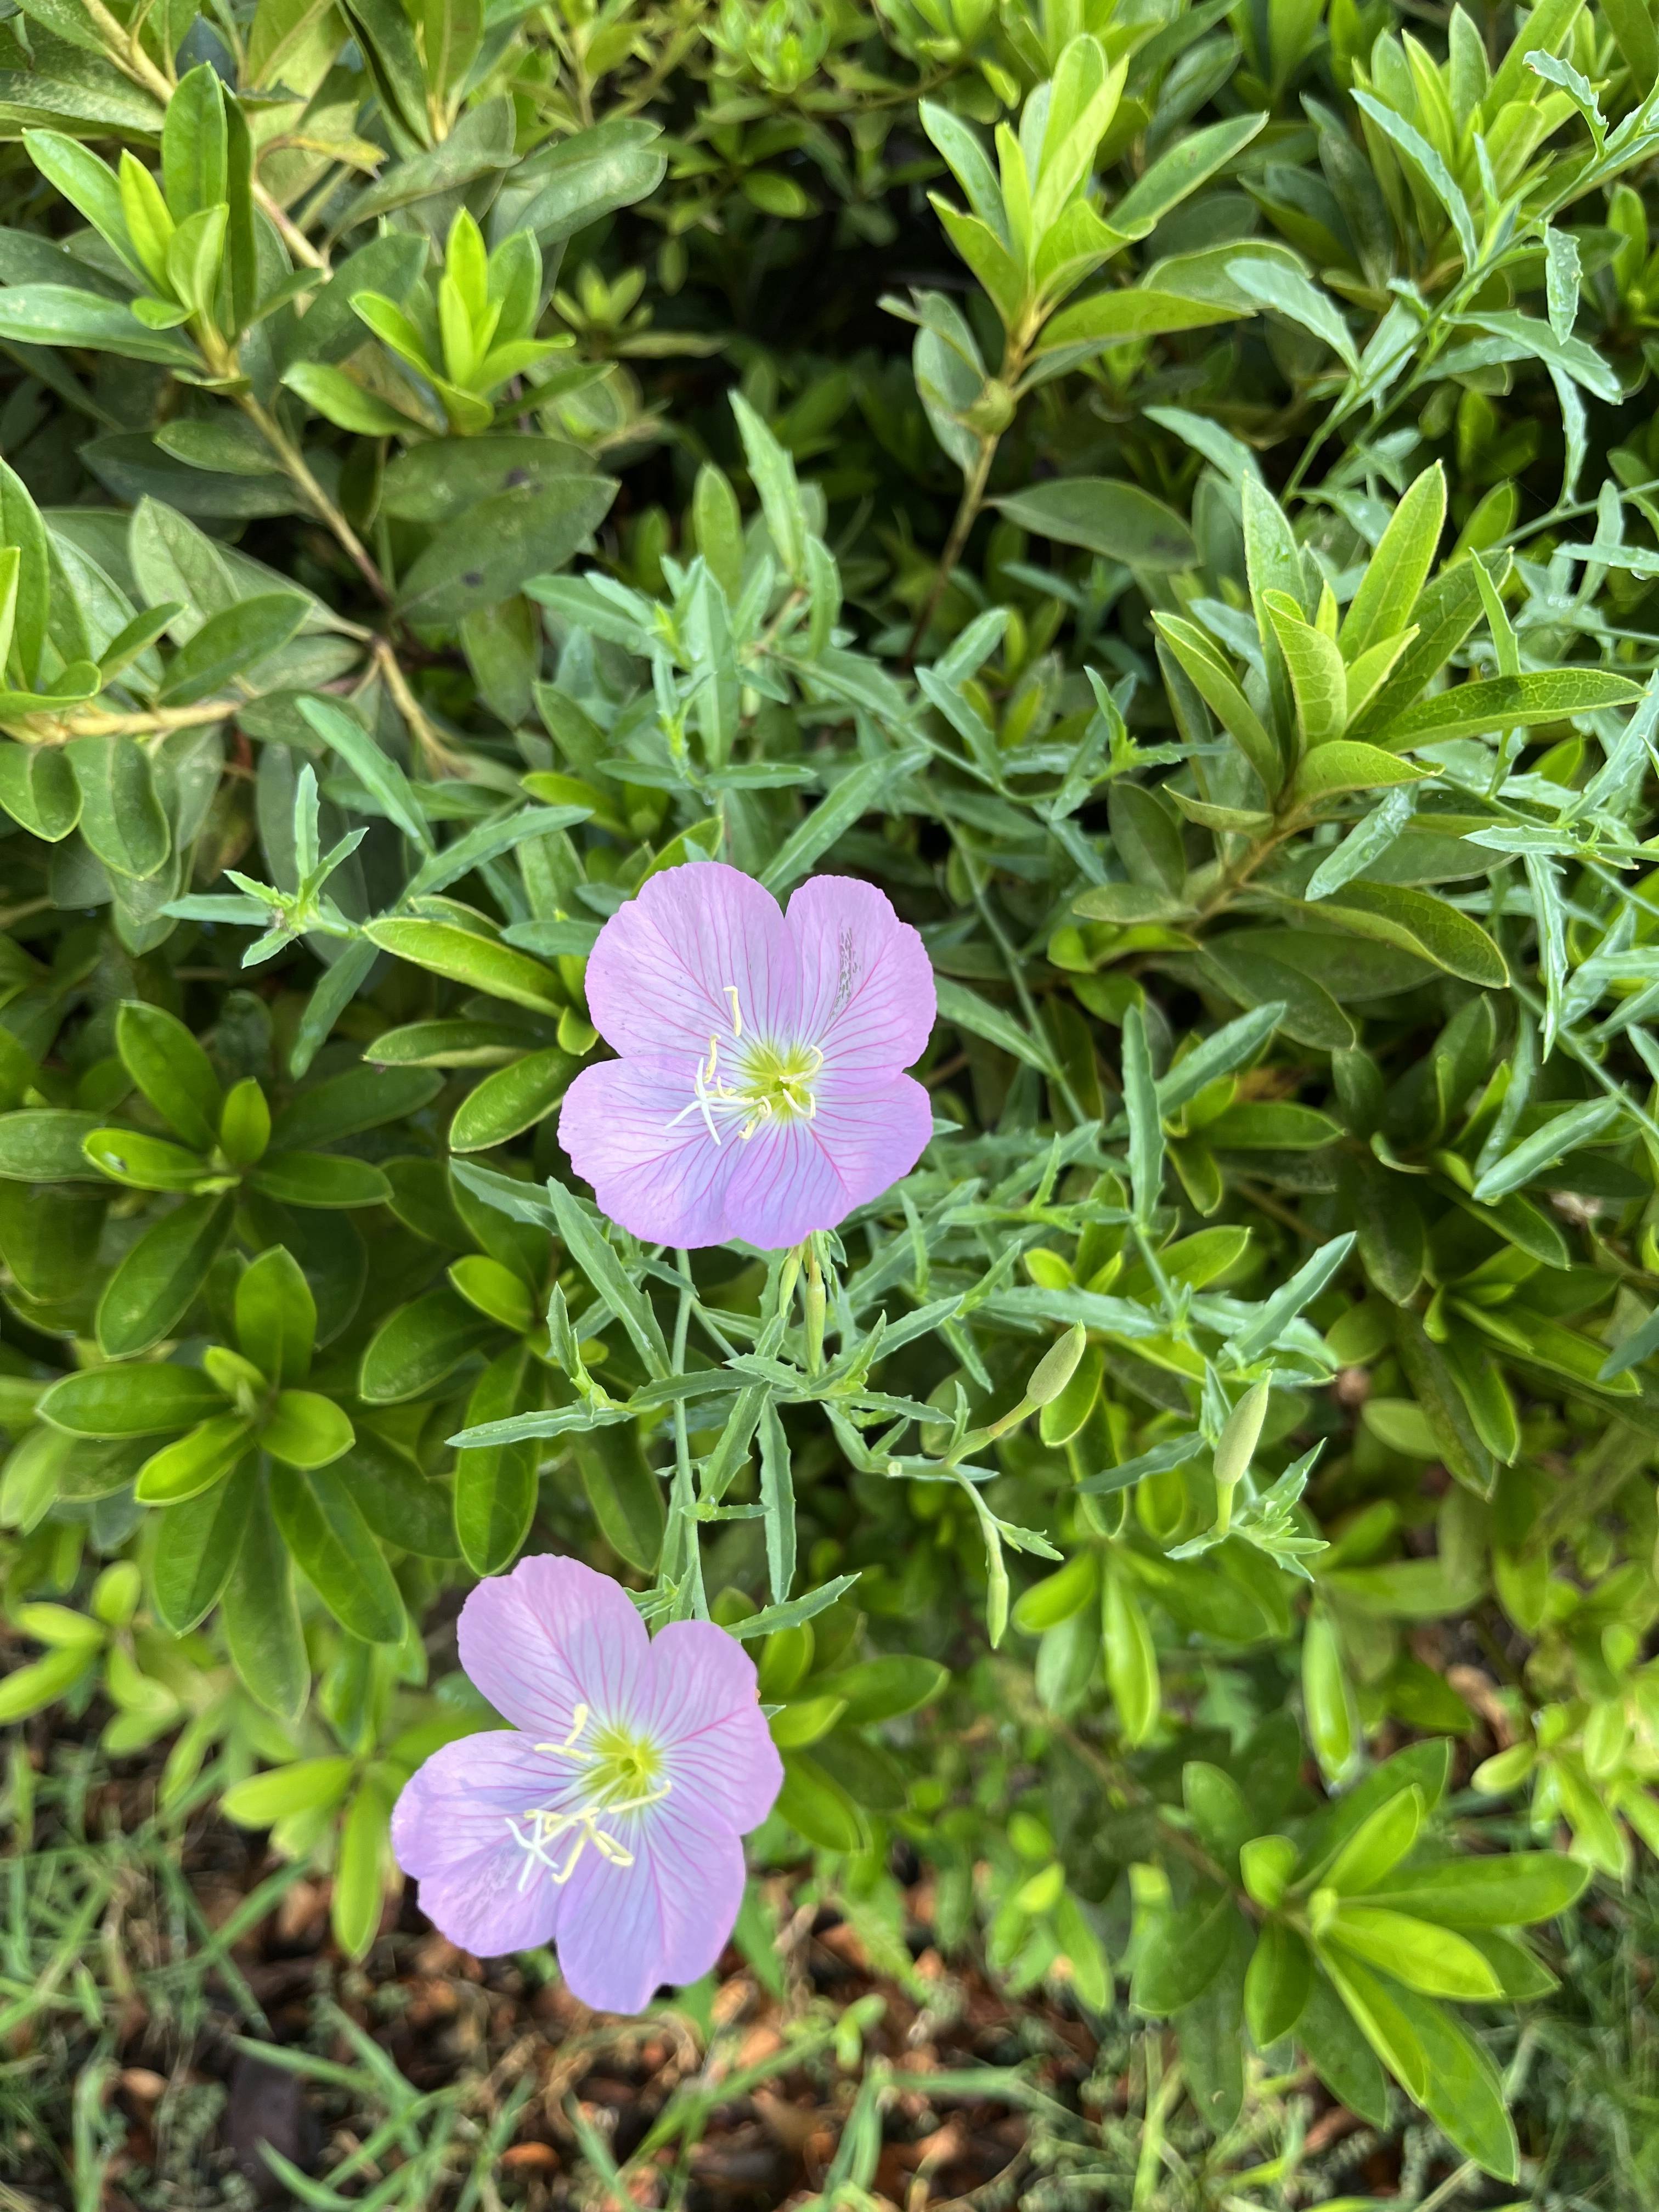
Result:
[1043,1891]
[245,1124]
[992,412]
[1236,1446]
[239,1378]
[1057,1366]
[1266,1862]
[115,1593]
[1322,1908]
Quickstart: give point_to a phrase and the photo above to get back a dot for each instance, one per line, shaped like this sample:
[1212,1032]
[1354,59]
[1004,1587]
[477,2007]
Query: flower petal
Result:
[549,1636]
[795,1176]
[662,1175]
[450,1830]
[657,979]
[705,1712]
[867,995]
[875,1133]
[624,1931]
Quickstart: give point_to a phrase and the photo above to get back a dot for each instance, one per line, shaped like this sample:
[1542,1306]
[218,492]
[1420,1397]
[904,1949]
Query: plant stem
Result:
[973,494]
[438,759]
[294,461]
[293,237]
[89,722]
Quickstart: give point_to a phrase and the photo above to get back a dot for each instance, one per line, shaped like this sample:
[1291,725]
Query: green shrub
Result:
[458,465]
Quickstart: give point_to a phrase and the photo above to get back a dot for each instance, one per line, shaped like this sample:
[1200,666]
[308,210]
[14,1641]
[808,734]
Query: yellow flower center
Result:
[623,1774]
[752,1080]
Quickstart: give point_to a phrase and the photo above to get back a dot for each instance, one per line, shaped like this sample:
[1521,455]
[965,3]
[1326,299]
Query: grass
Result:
[177,2035]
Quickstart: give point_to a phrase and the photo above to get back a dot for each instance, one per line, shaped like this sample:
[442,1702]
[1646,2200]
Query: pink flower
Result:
[760,1092]
[608,1818]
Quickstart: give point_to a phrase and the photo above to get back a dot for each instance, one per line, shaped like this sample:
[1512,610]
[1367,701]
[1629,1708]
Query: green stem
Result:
[294,461]
[973,496]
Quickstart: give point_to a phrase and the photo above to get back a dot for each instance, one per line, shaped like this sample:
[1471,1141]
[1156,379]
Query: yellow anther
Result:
[737,1010]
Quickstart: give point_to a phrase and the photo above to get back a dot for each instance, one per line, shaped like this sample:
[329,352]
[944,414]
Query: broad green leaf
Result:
[625,1495]
[330,1543]
[1398,568]
[130,1401]
[495,1484]
[160,1279]
[1340,2054]
[1420,923]
[182,1470]
[1510,1890]
[46,1143]
[39,790]
[407,1511]
[512,1100]
[1289,294]
[1345,765]
[1118,316]
[1375,2008]
[171,1069]
[1318,680]
[1117,520]
[480,964]
[502,543]
[1183,1952]
[1278,1984]
[306,1785]
[121,816]
[196,1547]
[230,644]
[329,1180]
[277,1316]
[1493,703]
[421,1344]
[261,1615]
[306,1430]
[59,315]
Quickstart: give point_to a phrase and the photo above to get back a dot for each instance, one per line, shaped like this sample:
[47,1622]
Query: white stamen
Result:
[546,1826]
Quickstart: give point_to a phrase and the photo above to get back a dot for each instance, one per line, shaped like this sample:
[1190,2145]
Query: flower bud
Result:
[115,1593]
[1266,1862]
[1057,1366]
[1236,1446]
[992,412]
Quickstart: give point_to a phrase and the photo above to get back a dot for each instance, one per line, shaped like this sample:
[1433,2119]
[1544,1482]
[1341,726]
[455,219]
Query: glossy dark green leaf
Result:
[130,1401]
[511,1100]
[196,1546]
[421,1345]
[39,790]
[1119,520]
[160,1277]
[171,1070]
[405,1509]
[327,1180]
[122,819]
[261,1614]
[333,1547]
[277,1316]
[625,1495]
[502,542]
[495,1484]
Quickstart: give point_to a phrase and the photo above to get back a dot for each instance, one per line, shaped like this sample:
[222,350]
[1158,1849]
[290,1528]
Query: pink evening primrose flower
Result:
[608,1819]
[760,1093]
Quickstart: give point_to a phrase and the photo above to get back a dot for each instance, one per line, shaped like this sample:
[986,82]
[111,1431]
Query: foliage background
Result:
[1168,492]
